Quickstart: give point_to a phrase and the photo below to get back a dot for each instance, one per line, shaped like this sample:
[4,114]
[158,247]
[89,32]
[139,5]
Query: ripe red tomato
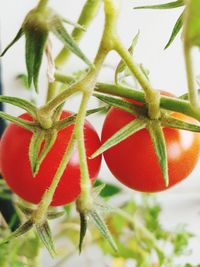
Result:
[16,169]
[134,162]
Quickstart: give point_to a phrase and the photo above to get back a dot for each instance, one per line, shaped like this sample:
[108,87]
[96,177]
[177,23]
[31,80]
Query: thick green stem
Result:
[85,197]
[42,4]
[193,94]
[87,15]
[55,102]
[168,103]
[152,96]
[40,213]
[86,86]
[87,83]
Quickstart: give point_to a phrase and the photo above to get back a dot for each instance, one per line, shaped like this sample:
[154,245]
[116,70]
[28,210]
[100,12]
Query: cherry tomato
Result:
[134,162]
[16,168]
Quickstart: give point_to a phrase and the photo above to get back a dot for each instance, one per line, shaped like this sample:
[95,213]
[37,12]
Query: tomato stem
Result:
[193,94]
[152,96]
[169,103]
[42,4]
[88,13]
[86,86]
[85,197]
[41,212]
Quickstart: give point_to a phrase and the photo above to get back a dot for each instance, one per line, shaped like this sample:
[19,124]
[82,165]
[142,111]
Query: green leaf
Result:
[61,33]
[35,43]
[177,27]
[97,189]
[109,190]
[103,229]
[45,236]
[17,37]
[33,247]
[122,104]
[20,231]
[18,121]
[192,23]
[21,103]
[129,129]
[23,79]
[169,5]
[83,229]
[158,139]
[34,149]
[68,209]
[169,121]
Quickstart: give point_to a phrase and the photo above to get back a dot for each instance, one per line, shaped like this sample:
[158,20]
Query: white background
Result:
[167,72]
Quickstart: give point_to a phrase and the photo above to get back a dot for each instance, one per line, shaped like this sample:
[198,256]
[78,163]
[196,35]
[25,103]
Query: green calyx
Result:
[42,227]
[140,121]
[94,216]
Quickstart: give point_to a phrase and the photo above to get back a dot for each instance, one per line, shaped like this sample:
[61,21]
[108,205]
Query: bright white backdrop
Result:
[167,72]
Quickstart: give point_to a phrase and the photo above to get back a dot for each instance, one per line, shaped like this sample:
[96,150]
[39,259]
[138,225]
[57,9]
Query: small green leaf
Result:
[169,5]
[108,189]
[158,139]
[23,79]
[18,121]
[98,187]
[35,43]
[61,33]
[17,37]
[35,148]
[21,103]
[122,104]
[68,209]
[169,121]
[129,129]
[83,229]
[20,231]
[45,236]
[101,226]
[177,27]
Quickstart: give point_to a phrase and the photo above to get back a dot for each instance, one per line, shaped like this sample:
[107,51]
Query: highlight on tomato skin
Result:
[16,168]
[134,162]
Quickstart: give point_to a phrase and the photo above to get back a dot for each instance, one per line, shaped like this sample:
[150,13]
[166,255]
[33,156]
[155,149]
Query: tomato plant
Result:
[51,162]
[16,170]
[134,162]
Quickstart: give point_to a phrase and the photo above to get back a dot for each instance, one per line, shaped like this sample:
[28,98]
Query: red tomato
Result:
[134,162]
[16,169]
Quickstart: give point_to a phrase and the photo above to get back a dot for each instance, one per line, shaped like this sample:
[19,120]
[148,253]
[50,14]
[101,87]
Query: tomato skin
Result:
[16,169]
[134,162]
